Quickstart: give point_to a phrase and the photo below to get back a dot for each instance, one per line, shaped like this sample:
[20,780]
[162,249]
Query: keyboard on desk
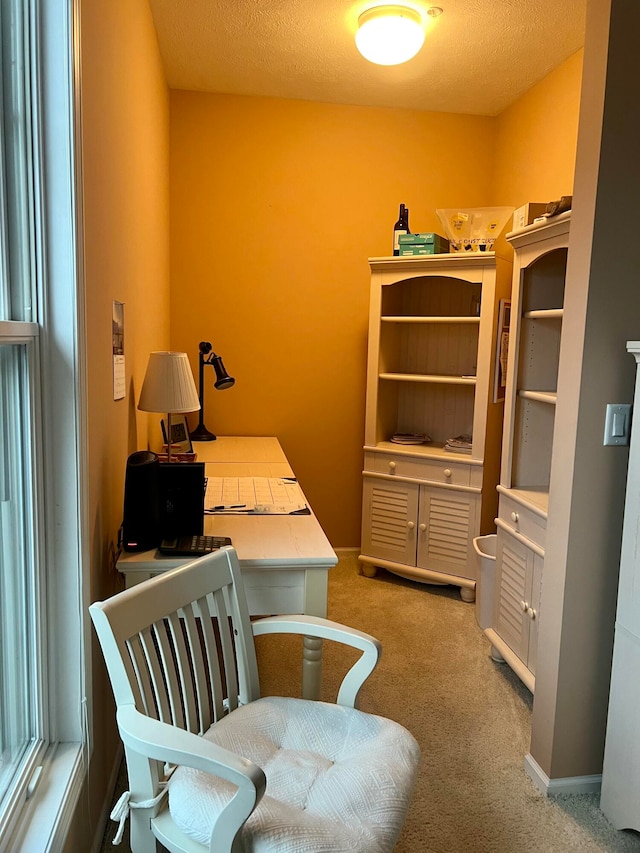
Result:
[193,546]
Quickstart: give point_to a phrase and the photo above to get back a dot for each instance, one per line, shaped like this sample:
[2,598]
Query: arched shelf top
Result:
[468,267]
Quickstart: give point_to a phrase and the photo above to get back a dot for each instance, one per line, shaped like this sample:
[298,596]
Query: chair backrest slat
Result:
[153,676]
[169,685]
[249,684]
[212,658]
[138,676]
[198,716]
[228,650]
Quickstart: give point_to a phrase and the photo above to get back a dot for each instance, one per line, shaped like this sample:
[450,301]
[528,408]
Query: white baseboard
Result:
[566,785]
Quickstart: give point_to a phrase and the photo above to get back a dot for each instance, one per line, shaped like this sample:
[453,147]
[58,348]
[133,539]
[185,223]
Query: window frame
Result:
[41,813]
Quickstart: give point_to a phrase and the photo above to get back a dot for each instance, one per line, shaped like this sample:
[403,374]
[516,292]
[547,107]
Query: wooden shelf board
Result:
[549,397]
[432,318]
[432,378]
[544,314]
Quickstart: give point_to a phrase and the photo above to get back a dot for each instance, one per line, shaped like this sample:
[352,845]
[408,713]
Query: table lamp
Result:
[223,381]
[169,387]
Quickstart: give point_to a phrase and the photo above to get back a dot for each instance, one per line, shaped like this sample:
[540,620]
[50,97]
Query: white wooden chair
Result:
[274,775]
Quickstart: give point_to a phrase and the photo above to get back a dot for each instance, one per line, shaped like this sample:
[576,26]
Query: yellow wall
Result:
[275,207]
[125,107]
[536,139]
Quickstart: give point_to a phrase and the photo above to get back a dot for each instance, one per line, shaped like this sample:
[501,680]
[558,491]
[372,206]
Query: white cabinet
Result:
[621,771]
[431,361]
[519,564]
[540,261]
[417,526]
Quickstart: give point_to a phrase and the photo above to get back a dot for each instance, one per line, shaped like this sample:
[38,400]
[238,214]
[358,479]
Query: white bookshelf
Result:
[431,357]
[540,260]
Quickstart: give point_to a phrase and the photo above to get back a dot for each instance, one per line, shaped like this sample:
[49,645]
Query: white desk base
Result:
[284,559]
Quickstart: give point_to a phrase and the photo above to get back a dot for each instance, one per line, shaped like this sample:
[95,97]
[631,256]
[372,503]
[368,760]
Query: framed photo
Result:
[180,440]
[502,350]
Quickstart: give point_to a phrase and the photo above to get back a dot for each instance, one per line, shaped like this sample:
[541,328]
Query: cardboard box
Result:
[524,215]
[433,244]
[418,249]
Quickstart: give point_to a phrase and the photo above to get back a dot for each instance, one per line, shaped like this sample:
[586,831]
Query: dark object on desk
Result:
[161,501]
[181,500]
[223,381]
[193,546]
[141,519]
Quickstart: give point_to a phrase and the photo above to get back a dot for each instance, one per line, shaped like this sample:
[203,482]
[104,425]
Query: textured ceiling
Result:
[479,55]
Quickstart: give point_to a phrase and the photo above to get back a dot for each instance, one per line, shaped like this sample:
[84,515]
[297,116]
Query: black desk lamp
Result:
[223,380]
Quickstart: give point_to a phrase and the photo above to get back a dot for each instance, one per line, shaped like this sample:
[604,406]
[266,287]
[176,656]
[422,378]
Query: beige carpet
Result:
[470,715]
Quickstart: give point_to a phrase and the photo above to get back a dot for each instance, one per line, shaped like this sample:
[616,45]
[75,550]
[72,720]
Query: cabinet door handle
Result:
[524,605]
[447,472]
[515,517]
[422,527]
[532,613]
[392,466]
[410,525]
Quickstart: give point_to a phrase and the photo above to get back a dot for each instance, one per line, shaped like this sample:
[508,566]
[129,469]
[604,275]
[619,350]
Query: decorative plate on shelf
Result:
[410,438]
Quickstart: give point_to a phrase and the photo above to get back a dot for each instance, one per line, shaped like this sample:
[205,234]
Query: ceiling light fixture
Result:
[391,35]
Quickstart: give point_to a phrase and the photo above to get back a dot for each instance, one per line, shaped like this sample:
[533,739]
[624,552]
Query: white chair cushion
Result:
[337,779]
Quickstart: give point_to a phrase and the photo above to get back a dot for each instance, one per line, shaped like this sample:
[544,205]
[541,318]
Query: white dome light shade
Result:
[389,35]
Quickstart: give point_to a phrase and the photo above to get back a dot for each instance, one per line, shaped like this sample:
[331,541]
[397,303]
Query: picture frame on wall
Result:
[180,439]
[502,350]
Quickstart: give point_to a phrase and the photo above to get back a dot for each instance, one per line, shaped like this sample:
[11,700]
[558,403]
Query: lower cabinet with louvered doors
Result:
[420,518]
[514,637]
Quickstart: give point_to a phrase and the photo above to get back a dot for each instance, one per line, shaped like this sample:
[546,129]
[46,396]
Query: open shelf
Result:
[532,380]
[440,409]
[432,450]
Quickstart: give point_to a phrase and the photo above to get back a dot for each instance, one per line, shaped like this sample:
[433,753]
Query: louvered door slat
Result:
[512,623]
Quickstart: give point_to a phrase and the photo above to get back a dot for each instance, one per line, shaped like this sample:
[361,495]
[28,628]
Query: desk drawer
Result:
[431,470]
[270,592]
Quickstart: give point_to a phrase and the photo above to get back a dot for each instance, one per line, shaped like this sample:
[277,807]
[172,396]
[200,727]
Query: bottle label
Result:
[396,241]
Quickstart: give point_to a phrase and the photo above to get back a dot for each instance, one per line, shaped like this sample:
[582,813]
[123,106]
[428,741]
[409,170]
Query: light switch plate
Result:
[617,424]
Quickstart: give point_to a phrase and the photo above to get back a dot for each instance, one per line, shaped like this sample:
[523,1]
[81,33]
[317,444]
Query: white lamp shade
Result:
[168,385]
[389,35]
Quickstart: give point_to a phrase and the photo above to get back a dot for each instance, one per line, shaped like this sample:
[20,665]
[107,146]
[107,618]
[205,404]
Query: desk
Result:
[285,559]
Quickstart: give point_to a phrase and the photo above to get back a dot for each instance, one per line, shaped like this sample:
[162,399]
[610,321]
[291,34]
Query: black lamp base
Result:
[201,433]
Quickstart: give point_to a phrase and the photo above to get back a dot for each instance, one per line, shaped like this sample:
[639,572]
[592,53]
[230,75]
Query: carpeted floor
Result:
[470,715]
